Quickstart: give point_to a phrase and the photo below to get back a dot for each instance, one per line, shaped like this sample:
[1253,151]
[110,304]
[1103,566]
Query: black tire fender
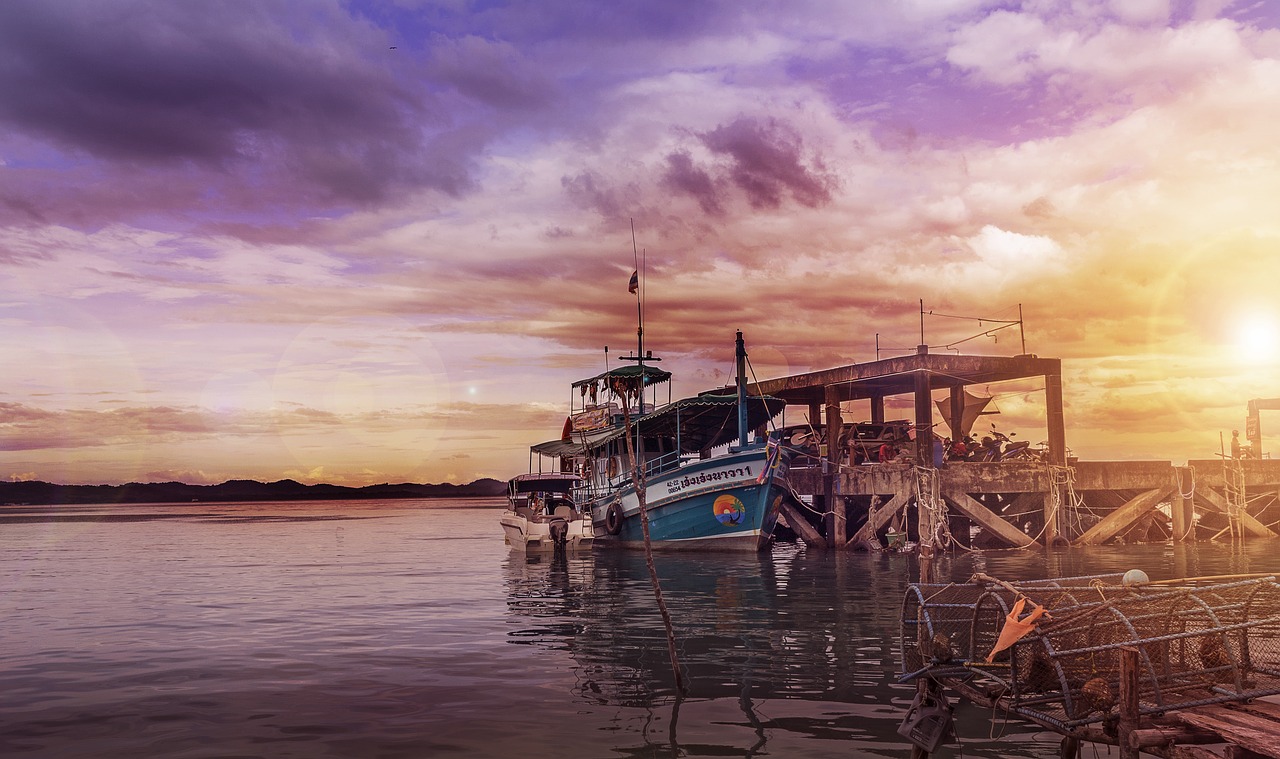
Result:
[613,518]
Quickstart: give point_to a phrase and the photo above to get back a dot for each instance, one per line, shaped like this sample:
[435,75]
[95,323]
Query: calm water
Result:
[408,629]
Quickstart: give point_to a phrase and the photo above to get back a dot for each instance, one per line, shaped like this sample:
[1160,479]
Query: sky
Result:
[367,242]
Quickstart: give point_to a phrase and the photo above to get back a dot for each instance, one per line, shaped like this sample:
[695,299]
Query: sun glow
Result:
[1257,340]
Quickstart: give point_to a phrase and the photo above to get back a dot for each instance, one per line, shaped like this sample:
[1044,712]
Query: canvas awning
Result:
[652,375]
[974,406]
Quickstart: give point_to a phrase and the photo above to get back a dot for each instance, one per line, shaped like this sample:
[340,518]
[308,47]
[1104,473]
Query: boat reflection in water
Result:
[788,652]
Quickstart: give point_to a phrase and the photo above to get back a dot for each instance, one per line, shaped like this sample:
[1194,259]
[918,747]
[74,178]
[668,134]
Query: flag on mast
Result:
[634,284]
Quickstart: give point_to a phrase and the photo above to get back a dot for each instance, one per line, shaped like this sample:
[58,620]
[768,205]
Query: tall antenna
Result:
[1022,330]
[639,293]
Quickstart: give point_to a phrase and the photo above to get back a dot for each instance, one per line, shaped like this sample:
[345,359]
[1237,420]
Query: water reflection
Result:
[785,652]
[794,648]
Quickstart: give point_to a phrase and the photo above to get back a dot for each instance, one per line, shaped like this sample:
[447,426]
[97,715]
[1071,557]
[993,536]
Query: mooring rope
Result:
[934,529]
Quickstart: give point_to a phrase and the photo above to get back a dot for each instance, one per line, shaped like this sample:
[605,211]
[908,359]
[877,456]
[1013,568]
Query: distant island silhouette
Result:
[48,494]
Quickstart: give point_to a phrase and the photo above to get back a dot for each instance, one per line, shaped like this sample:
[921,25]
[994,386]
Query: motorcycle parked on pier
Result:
[1001,447]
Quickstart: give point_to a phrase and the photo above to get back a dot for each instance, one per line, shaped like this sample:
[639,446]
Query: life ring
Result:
[613,518]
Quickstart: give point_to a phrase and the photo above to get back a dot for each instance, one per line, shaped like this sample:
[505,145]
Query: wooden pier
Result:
[1055,500]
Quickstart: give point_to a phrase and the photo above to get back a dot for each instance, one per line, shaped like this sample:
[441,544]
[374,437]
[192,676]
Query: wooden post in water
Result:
[925,563]
[1056,424]
[924,456]
[833,516]
[815,419]
[1054,500]
[1069,748]
[924,520]
[1129,713]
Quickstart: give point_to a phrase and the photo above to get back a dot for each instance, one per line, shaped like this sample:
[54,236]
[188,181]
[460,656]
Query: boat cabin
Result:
[539,495]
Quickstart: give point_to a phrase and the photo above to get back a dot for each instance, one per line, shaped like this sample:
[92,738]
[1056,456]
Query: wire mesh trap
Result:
[1200,641]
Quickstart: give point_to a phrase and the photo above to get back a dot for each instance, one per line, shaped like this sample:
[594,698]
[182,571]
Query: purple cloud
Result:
[313,100]
[682,175]
[768,163]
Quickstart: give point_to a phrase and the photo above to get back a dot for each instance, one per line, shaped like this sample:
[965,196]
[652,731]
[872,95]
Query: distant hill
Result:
[44,493]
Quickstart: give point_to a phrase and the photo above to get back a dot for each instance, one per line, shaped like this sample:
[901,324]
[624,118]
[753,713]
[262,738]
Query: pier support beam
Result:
[1219,503]
[797,522]
[1181,513]
[1052,515]
[879,519]
[1125,516]
[988,521]
[955,413]
[924,419]
[1054,419]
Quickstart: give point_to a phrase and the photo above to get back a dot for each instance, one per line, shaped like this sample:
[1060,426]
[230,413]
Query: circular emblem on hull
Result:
[729,510]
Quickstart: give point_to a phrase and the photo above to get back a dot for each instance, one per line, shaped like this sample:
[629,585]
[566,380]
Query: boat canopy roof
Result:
[703,421]
[579,442]
[536,482]
[652,375]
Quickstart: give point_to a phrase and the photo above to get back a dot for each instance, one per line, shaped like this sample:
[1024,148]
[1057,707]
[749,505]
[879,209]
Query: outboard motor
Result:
[559,531]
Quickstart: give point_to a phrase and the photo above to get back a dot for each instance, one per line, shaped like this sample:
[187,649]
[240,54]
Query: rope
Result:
[1063,480]
[1186,495]
[932,510]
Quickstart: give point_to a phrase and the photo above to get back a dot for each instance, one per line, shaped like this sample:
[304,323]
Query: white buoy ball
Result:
[1134,577]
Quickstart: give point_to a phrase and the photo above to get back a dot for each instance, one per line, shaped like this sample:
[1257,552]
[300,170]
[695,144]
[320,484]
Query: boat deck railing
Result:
[659,465]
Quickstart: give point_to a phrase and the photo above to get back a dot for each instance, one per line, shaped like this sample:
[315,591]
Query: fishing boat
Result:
[692,467]
[541,514]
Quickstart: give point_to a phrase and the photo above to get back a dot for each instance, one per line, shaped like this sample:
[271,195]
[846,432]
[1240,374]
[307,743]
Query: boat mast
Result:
[637,289]
[742,390]
[639,316]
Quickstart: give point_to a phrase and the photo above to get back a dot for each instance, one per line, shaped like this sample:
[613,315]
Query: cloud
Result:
[492,72]
[24,427]
[1087,49]
[312,100]
[683,176]
[767,162]
[1003,47]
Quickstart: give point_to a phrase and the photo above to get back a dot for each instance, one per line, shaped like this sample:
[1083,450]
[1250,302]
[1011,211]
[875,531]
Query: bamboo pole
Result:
[637,479]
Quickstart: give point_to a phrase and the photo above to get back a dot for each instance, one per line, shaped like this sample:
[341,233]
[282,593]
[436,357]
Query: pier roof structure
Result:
[920,374]
[897,376]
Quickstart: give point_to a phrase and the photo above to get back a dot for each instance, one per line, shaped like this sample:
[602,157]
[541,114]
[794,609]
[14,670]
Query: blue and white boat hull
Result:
[730,502]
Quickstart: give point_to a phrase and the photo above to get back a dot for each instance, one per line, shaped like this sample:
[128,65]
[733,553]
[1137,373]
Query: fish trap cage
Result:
[1199,641]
